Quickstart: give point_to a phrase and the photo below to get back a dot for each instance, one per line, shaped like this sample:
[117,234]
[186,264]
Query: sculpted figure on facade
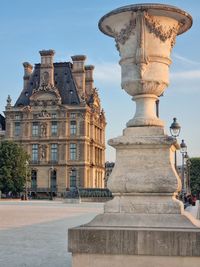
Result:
[43,128]
[43,152]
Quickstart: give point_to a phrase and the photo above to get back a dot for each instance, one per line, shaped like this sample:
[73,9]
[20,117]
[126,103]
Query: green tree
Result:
[13,169]
[195,176]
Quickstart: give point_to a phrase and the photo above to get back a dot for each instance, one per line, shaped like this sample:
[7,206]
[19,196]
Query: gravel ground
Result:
[34,233]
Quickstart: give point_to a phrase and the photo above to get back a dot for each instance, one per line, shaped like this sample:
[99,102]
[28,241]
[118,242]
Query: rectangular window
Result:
[73,128]
[73,178]
[17,117]
[17,128]
[73,151]
[35,152]
[54,115]
[72,115]
[54,128]
[35,129]
[54,152]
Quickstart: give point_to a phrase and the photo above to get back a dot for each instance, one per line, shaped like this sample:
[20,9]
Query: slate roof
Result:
[63,80]
[2,122]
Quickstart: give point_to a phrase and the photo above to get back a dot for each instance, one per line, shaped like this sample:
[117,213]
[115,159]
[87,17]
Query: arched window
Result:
[53,181]
[33,180]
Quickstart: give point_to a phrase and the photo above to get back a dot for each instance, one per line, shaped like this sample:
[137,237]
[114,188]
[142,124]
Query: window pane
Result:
[72,115]
[54,128]
[53,115]
[72,151]
[54,152]
[35,152]
[73,127]
[53,180]
[17,128]
[73,178]
[35,129]
[34,179]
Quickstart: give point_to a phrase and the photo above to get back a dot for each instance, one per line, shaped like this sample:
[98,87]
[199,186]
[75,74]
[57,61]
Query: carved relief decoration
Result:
[124,34]
[47,88]
[26,109]
[141,57]
[161,32]
[43,114]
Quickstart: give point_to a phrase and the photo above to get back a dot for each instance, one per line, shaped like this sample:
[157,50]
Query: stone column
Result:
[137,223]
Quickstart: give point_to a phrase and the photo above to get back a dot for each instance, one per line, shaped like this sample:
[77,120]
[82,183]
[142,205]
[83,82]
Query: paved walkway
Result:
[34,233]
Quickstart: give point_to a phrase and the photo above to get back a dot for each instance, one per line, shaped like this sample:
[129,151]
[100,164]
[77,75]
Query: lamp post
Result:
[50,185]
[183,149]
[26,188]
[175,129]
[188,164]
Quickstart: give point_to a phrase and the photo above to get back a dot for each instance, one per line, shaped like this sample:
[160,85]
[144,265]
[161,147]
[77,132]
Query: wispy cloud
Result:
[186,81]
[185,60]
[186,75]
[108,73]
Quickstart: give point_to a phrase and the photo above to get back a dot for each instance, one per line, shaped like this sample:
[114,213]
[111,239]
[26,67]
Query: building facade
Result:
[59,121]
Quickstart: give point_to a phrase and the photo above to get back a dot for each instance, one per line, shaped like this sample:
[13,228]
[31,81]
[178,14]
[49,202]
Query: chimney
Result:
[89,81]
[78,72]
[46,68]
[27,73]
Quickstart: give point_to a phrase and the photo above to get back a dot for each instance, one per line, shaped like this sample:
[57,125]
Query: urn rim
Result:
[169,10]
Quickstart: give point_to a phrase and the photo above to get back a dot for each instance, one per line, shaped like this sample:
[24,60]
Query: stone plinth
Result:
[145,224]
[105,247]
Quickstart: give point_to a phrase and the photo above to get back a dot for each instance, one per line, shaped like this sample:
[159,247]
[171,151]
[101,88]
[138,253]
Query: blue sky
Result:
[71,27]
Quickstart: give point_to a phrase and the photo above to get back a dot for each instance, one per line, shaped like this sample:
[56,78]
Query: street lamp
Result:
[50,185]
[175,129]
[26,188]
[183,150]
[188,164]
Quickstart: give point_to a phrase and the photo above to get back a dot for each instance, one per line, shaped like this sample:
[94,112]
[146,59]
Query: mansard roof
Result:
[63,81]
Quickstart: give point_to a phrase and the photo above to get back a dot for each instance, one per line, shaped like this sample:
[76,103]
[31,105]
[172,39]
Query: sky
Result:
[70,27]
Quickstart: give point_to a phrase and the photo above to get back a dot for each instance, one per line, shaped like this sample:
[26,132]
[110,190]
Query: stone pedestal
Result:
[145,224]
[105,247]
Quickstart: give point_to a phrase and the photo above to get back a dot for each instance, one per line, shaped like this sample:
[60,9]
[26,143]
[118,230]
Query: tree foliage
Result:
[13,169]
[195,176]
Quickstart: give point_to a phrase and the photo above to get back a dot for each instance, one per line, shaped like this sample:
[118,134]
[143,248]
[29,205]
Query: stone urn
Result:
[144,224]
[145,35]
[144,181]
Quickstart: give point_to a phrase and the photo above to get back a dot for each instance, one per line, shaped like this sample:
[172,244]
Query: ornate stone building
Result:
[58,119]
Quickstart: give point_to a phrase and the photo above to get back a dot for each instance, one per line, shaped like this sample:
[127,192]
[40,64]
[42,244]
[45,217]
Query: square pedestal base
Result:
[105,247]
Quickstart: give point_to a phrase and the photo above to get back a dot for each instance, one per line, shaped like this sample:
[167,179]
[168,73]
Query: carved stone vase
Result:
[144,224]
[144,181]
[145,35]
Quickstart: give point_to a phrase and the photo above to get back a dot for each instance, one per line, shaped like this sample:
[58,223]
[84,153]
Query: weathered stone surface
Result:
[144,225]
[151,242]
[145,35]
